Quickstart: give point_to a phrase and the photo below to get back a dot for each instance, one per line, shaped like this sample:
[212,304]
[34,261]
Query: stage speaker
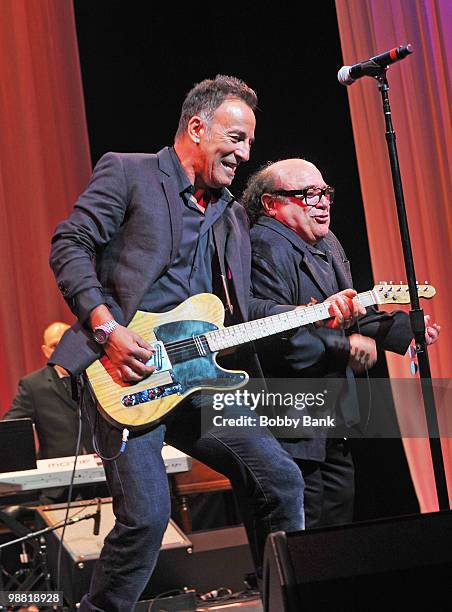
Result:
[402,563]
[81,549]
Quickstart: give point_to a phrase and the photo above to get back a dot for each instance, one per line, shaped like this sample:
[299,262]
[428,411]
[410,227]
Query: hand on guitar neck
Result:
[344,309]
[127,351]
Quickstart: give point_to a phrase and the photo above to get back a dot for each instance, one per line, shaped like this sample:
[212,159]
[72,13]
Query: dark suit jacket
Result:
[285,272]
[123,234]
[43,398]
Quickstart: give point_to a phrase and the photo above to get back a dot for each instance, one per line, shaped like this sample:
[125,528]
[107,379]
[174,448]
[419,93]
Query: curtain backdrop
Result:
[421,101]
[44,164]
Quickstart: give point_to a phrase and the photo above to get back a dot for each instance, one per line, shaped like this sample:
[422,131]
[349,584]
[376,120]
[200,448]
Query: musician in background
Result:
[45,397]
[296,259]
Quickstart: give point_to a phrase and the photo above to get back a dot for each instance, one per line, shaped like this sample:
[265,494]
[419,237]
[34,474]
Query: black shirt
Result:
[190,272]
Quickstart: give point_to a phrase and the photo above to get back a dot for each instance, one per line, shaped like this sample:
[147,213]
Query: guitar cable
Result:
[77,394]
[369,389]
[93,427]
[122,448]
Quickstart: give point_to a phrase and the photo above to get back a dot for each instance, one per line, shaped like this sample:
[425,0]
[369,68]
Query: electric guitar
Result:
[186,341]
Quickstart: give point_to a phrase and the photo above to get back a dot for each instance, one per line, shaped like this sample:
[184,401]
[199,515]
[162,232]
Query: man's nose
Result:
[323,202]
[243,151]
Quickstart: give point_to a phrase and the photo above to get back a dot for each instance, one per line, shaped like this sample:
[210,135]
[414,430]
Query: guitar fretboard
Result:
[261,328]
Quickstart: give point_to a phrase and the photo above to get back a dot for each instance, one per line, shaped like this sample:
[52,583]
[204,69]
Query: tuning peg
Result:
[417,282]
[390,282]
[425,282]
[401,283]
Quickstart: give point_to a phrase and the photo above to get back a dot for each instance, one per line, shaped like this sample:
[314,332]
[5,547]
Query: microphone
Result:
[97,517]
[347,75]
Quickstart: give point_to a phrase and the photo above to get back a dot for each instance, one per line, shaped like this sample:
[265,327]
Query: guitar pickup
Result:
[159,358]
[149,395]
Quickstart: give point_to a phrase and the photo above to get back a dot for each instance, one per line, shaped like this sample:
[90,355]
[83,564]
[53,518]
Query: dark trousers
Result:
[329,486]
[266,482]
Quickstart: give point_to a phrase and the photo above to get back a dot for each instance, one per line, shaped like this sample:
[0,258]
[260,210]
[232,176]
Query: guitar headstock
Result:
[389,293]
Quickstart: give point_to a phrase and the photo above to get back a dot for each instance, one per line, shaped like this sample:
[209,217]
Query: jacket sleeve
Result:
[96,217]
[270,293]
[314,351]
[22,405]
[390,330]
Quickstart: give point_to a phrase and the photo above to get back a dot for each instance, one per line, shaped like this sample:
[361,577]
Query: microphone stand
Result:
[37,534]
[416,313]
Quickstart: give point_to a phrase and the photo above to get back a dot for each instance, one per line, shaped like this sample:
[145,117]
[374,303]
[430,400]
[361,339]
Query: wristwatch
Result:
[102,332]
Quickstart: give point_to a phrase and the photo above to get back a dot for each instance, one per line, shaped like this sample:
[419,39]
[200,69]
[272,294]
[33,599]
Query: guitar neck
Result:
[242,333]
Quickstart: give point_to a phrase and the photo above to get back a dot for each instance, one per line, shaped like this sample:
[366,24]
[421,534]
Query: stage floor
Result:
[250,605]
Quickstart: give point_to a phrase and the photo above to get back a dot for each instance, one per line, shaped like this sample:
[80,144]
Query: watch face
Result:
[100,335]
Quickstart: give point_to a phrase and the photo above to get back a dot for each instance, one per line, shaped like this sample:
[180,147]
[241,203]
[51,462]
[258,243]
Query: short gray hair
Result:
[205,97]
[262,181]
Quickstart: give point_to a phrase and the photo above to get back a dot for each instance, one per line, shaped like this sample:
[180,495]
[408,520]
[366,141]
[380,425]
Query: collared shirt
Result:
[191,271]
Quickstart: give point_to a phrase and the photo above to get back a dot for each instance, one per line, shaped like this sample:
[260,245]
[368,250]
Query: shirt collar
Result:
[185,186]
[321,248]
[183,182]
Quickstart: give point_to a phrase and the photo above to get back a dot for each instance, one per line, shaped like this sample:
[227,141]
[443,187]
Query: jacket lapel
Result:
[342,270]
[234,264]
[309,264]
[169,187]
[340,263]
[301,247]
[59,390]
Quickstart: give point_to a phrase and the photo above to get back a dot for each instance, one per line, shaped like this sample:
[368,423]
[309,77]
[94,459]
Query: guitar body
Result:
[146,403]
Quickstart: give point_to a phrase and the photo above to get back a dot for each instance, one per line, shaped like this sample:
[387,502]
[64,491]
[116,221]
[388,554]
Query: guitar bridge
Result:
[159,358]
[148,395]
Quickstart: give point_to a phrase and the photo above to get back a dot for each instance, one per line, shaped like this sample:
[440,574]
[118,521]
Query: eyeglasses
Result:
[310,195]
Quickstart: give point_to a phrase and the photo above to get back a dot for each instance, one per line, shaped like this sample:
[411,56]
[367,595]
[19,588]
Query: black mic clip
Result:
[372,69]
[96,517]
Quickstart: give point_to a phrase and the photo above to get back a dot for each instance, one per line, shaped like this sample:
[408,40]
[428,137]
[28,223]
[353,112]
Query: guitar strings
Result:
[176,345]
[177,348]
[228,331]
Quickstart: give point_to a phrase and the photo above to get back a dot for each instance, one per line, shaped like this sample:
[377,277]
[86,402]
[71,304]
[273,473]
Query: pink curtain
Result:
[44,164]
[421,101]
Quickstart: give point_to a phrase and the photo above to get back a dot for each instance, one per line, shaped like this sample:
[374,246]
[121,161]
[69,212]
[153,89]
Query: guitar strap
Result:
[219,237]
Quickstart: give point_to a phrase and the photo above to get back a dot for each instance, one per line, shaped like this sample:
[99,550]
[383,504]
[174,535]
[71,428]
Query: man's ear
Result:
[46,350]
[267,201]
[196,128]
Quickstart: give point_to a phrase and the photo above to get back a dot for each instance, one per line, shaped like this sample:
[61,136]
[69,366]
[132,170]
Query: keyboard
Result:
[58,472]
